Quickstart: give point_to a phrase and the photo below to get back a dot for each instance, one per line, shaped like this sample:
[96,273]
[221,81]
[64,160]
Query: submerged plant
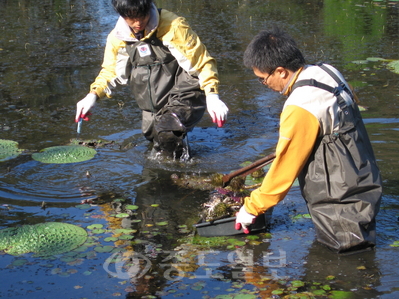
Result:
[43,239]
[64,154]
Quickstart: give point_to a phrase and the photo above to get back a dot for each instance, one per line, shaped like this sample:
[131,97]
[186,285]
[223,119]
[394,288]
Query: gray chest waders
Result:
[171,100]
[341,182]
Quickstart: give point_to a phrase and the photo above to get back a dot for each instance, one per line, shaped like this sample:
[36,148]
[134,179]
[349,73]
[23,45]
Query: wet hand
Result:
[216,109]
[84,105]
[244,220]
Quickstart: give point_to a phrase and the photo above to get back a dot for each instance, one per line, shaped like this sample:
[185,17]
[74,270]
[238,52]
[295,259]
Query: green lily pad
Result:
[162,223]
[103,248]
[125,231]
[297,283]
[341,295]
[375,59]
[395,244]
[43,239]
[126,237]
[131,207]
[110,239]
[8,149]
[94,226]
[98,231]
[122,215]
[394,66]
[64,154]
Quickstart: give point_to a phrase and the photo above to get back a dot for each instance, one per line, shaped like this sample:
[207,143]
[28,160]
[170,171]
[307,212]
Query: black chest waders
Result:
[171,100]
[341,181]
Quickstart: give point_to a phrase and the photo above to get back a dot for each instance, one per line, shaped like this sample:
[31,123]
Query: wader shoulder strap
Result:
[347,110]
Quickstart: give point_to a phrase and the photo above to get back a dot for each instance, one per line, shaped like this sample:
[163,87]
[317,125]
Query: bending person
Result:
[170,72]
[322,141]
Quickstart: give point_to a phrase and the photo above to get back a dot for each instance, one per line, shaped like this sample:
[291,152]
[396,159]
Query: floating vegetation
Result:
[394,66]
[43,239]
[64,154]
[222,203]
[395,244]
[91,143]
[131,207]
[8,149]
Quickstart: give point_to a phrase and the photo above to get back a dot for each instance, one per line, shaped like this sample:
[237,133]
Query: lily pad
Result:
[341,295]
[125,231]
[64,154]
[162,223]
[8,149]
[122,215]
[43,239]
[131,207]
[94,226]
[103,248]
[110,239]
[394,66]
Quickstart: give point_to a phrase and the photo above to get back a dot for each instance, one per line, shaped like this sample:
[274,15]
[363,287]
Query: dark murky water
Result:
[49,54]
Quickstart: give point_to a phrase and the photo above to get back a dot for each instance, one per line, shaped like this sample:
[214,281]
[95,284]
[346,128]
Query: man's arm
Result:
[298,132]
[115,57]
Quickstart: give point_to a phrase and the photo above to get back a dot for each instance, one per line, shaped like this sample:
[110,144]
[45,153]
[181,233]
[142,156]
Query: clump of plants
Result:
[222,203]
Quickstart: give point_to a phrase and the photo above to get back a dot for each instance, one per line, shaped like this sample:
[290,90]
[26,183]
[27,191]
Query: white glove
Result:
[84,105]
[217,109]
[244,219]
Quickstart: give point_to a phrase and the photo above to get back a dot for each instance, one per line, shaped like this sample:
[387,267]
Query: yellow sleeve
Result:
[107,72]
[192,54]
[298,132]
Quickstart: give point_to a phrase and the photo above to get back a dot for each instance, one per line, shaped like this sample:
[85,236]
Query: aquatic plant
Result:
[394,66]
[43,239]
[64,154]
[8,149]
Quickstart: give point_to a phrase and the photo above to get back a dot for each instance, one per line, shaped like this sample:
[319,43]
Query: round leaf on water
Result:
[110,239]
[122,215]
[8,149]
[162,223]
[98,231]
[297,283]
[103,248]
[394,66]
[131,207]
[83,206]
[64,154]
[126,237]
[43,239]
[125,231]
[94,226]
[341,295]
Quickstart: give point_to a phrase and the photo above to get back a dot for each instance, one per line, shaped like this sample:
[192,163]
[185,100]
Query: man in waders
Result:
[170,72]
[322,141]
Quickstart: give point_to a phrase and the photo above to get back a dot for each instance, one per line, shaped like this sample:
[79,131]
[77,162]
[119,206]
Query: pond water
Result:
[50,51]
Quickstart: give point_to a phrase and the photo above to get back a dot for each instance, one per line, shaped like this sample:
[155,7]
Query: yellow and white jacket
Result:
[175,34]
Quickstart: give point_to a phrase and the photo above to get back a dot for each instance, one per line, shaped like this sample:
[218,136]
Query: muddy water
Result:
[50,53]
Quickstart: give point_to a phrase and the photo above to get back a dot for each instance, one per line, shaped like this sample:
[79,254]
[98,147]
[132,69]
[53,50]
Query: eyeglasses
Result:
[264,80]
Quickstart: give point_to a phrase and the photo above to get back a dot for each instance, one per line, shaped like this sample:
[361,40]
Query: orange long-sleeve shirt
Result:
[298,132]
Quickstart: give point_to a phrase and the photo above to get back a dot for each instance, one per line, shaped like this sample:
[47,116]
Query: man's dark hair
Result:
[271,49]
[132,8]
